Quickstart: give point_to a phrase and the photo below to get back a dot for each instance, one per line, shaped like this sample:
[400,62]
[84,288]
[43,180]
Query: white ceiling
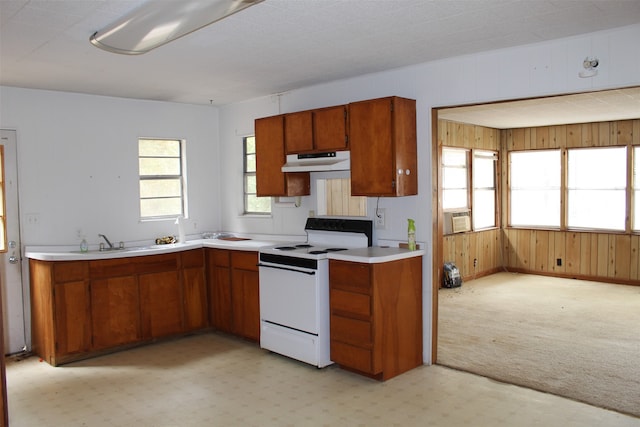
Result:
[277,45]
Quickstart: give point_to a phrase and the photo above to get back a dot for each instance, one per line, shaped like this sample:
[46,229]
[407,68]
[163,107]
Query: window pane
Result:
[603,168]
[159,166]
[257,204]
[161,207]
[250,184]
[535,188]
[160,188]
[158,148]
[250,145]
[484,209]
[452,199]
[597,179]
[454,178]
[483,172]
[454,157]
[251,163]
[535,208]
[597,209]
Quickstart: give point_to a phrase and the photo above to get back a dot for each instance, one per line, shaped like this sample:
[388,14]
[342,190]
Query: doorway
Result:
[14,294]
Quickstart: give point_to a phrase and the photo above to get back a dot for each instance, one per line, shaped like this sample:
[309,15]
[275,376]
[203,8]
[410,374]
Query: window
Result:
[535,188]
[484,189]
[454,179]
[597,188]
[252,203]
[162,178]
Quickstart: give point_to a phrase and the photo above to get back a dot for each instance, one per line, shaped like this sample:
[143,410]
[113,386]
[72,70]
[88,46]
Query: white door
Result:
[13,292]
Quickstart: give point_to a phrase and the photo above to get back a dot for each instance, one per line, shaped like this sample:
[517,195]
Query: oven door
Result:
[289,296]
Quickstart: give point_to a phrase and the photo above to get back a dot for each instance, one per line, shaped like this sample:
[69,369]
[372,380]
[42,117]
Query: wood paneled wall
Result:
[611,257]
[483,246]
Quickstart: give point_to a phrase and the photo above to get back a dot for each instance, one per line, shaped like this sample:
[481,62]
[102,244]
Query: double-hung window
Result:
[162,178]
[252,203]
[484,189]
[455,179]
[535,180]
[597,188]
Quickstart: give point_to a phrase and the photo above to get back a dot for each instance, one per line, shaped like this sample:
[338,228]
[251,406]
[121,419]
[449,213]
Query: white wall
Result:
[528,71]
[78,166]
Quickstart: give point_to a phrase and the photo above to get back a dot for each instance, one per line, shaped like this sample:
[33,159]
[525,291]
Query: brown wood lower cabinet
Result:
[115,312]
[82,308]
[376,316]
[234,292]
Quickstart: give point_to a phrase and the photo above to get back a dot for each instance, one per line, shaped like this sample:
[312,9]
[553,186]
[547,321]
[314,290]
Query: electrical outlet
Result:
[380,218]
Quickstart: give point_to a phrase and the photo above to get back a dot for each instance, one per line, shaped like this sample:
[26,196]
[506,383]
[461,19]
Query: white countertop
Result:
[368,255]
[53,253]
[375,254]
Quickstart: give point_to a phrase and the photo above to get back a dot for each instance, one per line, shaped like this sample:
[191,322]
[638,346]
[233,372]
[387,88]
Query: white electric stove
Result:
[294,288]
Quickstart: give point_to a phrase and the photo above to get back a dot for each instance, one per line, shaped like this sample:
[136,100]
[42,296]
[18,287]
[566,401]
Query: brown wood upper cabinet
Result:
[318,130]
[270,156]
[382,140]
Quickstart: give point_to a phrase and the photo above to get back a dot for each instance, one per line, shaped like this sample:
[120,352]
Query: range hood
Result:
[318,162]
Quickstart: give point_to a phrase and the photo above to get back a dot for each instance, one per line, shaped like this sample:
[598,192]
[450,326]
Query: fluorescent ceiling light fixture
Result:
[158,22]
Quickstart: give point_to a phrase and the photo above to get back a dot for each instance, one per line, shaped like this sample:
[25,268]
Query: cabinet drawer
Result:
[244,260]
[351,331]
[194,258]
[107,268]
[350,275]
[219,257]
[353,357]
[350,303]
[156,263]
[70,271]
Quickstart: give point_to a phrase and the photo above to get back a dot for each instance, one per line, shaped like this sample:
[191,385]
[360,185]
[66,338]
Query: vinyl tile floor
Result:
[216,380]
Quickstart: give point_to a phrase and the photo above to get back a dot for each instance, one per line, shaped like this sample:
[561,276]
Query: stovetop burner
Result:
[335,249]
[286,248]
[304,245]
[317,252]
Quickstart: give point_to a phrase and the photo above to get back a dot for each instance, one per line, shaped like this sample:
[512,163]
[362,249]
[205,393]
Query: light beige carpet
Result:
[572,338]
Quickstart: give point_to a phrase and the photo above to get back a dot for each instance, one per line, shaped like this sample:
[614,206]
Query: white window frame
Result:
[597,189]
[546,189]
[181,176]
[248,175]
[476,189]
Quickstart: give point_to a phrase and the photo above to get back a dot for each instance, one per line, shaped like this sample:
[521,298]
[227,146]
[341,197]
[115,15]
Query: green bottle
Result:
[412,235]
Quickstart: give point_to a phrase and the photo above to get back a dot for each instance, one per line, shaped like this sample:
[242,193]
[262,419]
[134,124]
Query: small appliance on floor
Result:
[452,277]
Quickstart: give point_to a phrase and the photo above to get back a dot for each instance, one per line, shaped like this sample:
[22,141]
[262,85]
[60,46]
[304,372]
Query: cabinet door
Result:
[330,128]
[160,304]
[219,282]
[270,180]
[115,311]
[195,299]
[372,162]
[382,140]
[246,304]
[298,132]
[72,317]
[194,288]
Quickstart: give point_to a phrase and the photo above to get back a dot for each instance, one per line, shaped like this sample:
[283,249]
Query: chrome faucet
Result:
[106,240]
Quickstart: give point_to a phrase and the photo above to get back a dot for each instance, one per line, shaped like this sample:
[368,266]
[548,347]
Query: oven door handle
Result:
[311,273]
